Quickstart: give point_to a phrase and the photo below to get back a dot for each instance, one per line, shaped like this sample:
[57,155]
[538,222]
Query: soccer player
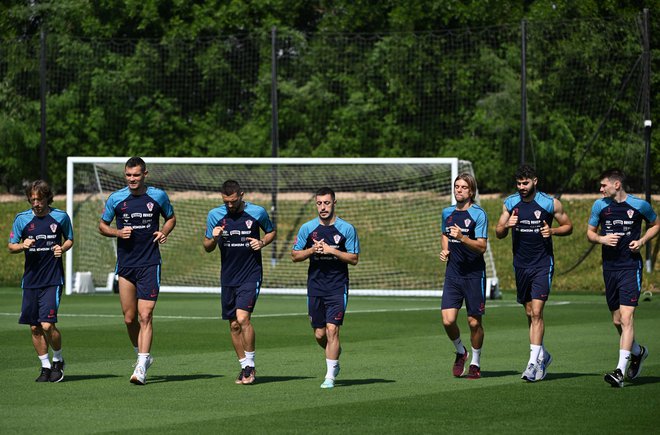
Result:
[619,216]
[529,214]
[331,244]
[464,240]
[137,209]
[43,233]
[235,228]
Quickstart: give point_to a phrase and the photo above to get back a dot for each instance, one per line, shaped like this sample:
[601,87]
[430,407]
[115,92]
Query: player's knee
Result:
[234,327]
[319,334]
[36,329]
[474,323]
[46,327]
[145,318]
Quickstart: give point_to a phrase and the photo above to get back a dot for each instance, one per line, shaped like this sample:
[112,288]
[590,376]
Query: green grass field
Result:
[395,375]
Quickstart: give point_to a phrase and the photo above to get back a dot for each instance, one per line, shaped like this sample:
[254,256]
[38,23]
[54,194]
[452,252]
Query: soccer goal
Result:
[394,204]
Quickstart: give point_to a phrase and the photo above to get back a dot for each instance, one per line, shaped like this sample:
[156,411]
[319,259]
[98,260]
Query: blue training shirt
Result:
[464,262]
[530,248]
[327,275]
[142,213]
[625,219]
[42,268]
[240,263]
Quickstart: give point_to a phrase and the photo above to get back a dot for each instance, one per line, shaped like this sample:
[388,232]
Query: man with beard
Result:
[620,217]
[235,228]
[529,214]
[464,241]
[331,244]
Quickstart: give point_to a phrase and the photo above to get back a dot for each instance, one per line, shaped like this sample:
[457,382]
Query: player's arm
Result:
[346,257]
[16,248]
[444,253]
[596,239]
[108,231]
[506,221]
[565,225]
[303,254]
[650,233]
[168,227]
[59,250]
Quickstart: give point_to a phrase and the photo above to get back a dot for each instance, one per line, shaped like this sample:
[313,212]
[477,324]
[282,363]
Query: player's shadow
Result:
[644,380]
[76,378]
[554,376]
[497,374]
[180,378]
[269,379]
[351,382]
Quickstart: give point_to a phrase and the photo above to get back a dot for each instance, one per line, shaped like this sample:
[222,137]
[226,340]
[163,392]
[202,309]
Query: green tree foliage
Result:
[355,78]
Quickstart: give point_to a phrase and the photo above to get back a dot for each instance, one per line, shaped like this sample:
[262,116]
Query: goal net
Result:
[394,204]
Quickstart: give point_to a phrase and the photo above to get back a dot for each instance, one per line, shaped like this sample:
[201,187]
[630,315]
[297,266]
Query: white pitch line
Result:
[380,310]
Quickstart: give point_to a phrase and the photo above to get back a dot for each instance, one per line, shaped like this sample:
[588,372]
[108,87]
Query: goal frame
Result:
[492,289]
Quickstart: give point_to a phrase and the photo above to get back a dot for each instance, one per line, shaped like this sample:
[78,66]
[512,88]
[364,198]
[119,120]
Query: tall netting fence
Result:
[416,94]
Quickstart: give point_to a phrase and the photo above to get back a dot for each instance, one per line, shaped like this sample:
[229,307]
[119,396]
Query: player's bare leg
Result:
[243,339]
[449,316]
[332,350]
[129,307]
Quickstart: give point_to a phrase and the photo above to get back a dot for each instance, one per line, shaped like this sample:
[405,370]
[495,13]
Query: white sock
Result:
[57,355]
[624,357]
[636,349]
[534,351]
[458,344]
[45,362]
[250,358]
[476,357]
[331,364]
[244,362]
[142,359]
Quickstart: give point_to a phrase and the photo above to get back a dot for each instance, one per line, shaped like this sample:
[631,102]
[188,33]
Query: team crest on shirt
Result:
[537,213]
[150,206]
[467,222]
[53,227]
[336,238]
[248,223]
[630,213]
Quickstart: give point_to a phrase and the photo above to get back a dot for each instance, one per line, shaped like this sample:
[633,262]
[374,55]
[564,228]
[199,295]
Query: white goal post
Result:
[395,205]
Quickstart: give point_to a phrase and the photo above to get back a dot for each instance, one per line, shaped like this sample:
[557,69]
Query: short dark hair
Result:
[325,191]
[525,171]
[471,182]
[136,161]
[42,189]
[230,187]
[613,174]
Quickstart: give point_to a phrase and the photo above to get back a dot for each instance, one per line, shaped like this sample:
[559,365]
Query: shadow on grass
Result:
[644,380]
[351,382]
[557,376]
[75,378]
[269,379]
[497,374]
[180,378]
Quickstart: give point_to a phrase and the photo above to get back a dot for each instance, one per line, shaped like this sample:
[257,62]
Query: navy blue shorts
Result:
[472,290]
[533,283]
[242,297]
[40,305]
[327,309]
[145,279]
[622,287]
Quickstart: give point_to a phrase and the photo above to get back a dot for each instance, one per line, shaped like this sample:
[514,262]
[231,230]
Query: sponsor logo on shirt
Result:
[31,227]
[124,206]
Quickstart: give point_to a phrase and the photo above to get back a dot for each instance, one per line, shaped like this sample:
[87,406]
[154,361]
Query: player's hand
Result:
[217,231]
[160,237]
[255,244]
[318,246]
[513,219]
[444,255]
[610,239]
[124,233]
[27,244]
[57,251]
[545,231]
[635,245]
[456,232]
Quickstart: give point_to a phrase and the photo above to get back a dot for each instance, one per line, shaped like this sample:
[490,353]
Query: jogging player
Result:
[464,240]
[137,209]
[529,214]
[619,216]
[331,244]
[235,228]
[43,233]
